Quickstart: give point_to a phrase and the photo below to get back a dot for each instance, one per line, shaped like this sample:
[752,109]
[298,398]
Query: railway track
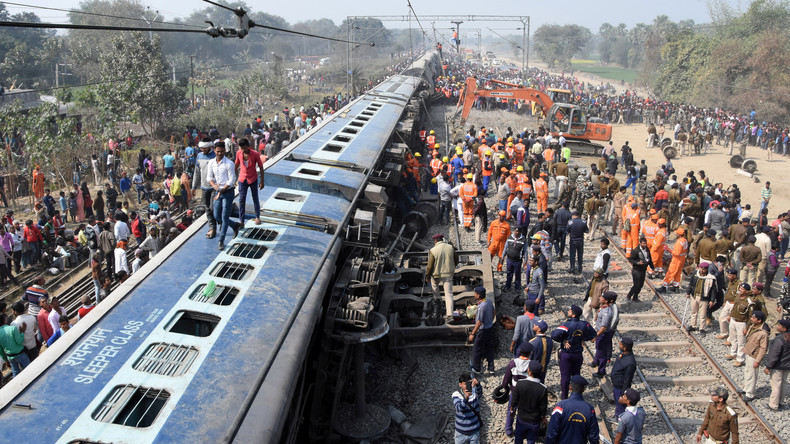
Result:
[675,370]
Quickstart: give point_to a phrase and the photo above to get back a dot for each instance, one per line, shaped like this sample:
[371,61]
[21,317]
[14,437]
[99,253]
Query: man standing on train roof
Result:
[570,336]
[573,420]
[200,180]
[222,177]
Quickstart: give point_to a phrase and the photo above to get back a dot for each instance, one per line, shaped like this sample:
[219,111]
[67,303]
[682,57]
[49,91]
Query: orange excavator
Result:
[565,118]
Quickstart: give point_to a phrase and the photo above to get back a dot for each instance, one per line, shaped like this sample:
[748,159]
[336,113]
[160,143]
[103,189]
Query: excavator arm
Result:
[471,92]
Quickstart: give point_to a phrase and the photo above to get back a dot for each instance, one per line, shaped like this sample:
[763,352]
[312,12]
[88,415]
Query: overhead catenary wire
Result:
[95,14]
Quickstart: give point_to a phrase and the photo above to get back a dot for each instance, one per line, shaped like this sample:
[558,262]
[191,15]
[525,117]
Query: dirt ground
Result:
[716,166]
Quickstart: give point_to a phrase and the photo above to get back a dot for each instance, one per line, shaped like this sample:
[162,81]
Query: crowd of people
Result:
[666,226]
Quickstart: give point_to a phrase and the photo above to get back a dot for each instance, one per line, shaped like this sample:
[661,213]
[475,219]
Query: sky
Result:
[586,13]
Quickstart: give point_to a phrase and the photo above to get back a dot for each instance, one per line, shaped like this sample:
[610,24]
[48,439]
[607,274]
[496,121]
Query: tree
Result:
[557,44]
[134,88]
[26,55]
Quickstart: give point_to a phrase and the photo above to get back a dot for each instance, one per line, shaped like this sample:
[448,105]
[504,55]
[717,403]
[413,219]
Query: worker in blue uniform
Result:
[570,336]
[573,420]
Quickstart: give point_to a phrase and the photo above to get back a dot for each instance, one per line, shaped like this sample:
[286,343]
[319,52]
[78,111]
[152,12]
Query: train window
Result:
[367,113]
[247,251]
[359,123]
[290,197]
[375,106]
[262,234]
[193,323]
[310,172]
[333,148]
[214,294]
[131,406]
[166,359]
[364,119]
[344,139]
[231,270]
[349,130]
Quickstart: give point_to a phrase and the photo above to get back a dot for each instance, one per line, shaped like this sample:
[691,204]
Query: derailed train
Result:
[207,346]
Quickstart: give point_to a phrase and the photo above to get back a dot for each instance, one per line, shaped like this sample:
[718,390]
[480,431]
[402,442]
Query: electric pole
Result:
[192,77]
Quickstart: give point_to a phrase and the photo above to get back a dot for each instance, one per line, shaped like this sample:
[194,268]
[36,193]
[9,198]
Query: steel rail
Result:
[714,363]
[653,396]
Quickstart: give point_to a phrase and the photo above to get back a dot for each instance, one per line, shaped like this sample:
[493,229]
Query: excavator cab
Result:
[567,118]
[559,95]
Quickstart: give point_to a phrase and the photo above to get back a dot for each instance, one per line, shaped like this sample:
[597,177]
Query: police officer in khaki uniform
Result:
[721,422]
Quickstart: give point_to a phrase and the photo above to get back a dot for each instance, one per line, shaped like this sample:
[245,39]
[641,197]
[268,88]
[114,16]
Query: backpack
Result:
[175,187]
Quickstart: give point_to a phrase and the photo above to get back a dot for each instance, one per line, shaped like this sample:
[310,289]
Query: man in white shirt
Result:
[28,326]
[222,177]
[121,231]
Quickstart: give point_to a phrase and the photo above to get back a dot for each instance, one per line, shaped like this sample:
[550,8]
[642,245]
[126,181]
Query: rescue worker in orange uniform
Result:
[657,248]
[624,228]
[498,233]
[488,169]
[649,227]
[519,150]
[414,167]
[431,139]
[467,194]
[38,182]
[675,272]
[542,193]
[548,155]
[510,150]
[632,240]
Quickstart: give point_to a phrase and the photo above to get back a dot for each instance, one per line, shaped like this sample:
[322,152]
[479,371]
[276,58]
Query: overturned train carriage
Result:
[188,349]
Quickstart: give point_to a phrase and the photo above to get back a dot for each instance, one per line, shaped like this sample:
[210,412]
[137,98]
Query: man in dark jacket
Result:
[640,259]
[702,291]
[529,404]
[777,363]
[623,371]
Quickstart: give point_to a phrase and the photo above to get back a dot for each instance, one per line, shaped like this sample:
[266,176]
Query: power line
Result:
[74,11]
[417,18]
[6,24]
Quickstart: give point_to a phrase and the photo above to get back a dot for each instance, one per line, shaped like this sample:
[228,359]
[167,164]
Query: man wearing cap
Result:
[640,259]
[592,297]
[515,371]
[467,194]
[571,335]
[721,421]
[514,252]
[593,206]
[606,326]
[733,283]
[498,233]
[618,203]
[529,403]
[706,248]
[577,229]
[755,349]
[750,257]
[777,363]
[702,291]
[631,419]
[200,180]
[623,371]
[740,314]
[483,333]
[573,419]
[675,272]
[542,347]
[442,260]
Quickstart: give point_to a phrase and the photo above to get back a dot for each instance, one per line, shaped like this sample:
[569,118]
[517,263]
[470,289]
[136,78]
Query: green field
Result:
[604,72]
